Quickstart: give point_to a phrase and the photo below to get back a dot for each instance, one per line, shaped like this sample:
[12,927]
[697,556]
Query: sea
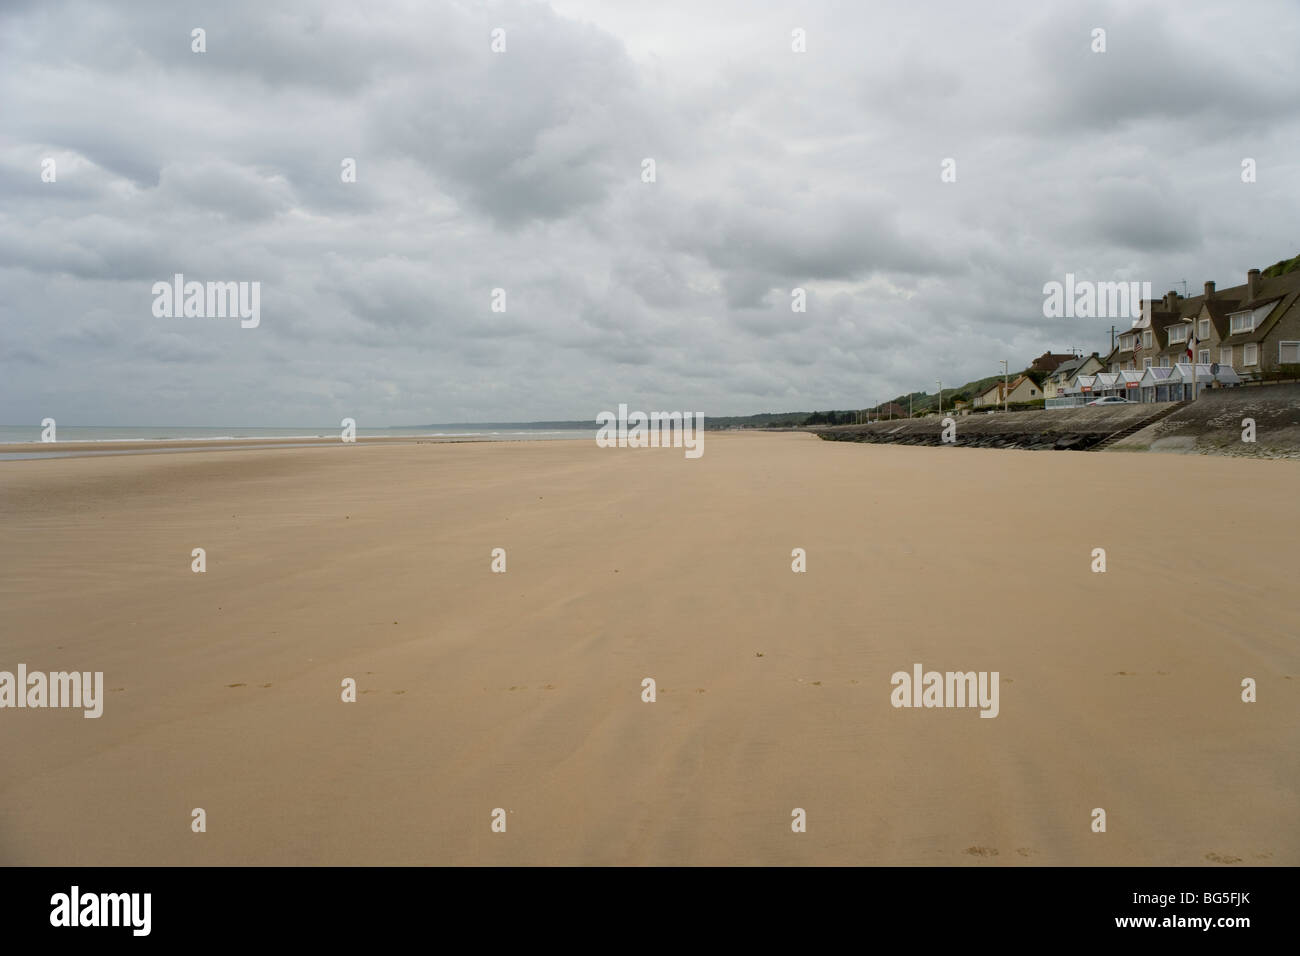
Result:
[117,440]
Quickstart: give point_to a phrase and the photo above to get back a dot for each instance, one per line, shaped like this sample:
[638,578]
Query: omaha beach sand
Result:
[522,691]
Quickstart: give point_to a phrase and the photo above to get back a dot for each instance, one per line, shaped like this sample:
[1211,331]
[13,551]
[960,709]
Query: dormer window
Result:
[1177,333]
[1242,322]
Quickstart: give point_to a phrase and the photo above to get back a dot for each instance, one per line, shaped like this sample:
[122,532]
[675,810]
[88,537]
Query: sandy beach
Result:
[523,690]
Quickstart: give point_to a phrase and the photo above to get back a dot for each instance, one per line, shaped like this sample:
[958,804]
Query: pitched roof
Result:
[1217,311]
[1280,308]
[1183,373]
[1282,291]
[1166,347]
[1049,361]
[1156,374]
[1065,369]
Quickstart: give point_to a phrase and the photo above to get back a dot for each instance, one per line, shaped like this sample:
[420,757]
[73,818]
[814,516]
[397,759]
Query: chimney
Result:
[1171,301]
[1209,290]
[1252,282]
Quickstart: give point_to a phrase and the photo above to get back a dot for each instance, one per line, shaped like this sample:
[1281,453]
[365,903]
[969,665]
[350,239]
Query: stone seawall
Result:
[1215,424]
[1210,425]
[1064,428]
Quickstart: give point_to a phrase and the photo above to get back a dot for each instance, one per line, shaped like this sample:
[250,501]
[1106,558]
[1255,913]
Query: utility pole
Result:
[940,384]
[1005,396]
[1112,338]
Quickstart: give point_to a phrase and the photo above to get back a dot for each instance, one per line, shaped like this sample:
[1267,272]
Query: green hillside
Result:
[1281,268]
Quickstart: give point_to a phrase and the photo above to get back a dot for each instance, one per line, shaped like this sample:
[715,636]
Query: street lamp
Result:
[1004,385]
[940,384]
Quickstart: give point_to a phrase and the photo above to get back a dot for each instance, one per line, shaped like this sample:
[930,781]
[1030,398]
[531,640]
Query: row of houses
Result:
[1181,344]
[1253,328]
[1237,335]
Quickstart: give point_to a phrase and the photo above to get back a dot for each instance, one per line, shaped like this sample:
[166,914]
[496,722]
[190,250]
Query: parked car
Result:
[1111,400]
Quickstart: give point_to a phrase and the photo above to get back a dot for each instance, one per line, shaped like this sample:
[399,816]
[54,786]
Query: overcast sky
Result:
[522,170]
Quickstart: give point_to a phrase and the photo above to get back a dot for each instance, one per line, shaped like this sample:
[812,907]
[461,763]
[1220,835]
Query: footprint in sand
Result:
[699,690]
[399,692]
[817,683]
[1024,851]
[266,685]
[117,688]
[549,687]
[236,685]
[981,851]
[1220,858]
[1123,674]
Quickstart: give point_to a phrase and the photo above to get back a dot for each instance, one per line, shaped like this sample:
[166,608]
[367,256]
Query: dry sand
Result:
[523,690]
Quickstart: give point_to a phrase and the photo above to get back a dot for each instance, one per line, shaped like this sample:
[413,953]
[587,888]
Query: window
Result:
[1203,329]
[1177,333]
[1288,353]
[1146,340]
[1225,356]
[1242,322]
[1203,357]
[1250,354]
[1164,361]
[1146,363]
